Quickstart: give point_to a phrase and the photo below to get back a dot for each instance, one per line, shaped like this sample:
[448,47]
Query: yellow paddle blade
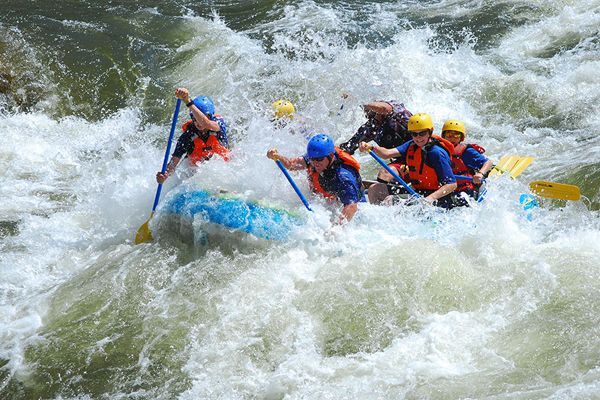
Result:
[500,167]
[553,190]
[514,165]
[143,234]
[520,166]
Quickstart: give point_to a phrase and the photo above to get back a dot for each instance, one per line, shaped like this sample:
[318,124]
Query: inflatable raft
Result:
[233,212]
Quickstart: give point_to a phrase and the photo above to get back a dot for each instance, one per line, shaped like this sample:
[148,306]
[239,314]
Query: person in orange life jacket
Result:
[387,125]
[428,162]
[467,159]
[203,136]
[332,172]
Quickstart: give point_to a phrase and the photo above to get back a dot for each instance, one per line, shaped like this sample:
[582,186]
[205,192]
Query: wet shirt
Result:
[185,142]
[392,131]
[344,182]
[473,159]
[437,158]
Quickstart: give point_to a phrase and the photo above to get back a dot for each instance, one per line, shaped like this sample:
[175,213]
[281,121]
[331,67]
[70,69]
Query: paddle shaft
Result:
[291,181]
[482,192]
[394,174]
[463,177]
[167,152]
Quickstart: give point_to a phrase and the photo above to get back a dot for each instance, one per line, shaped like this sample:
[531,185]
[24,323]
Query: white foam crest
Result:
[73,187]
[557,59]
[84,26]
[546,33]
[425,81]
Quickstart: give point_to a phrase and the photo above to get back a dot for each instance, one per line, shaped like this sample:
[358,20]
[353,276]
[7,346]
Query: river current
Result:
[487,302]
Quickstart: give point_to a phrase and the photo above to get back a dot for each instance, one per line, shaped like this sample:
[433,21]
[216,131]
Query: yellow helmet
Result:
[420,121]
[455,125]
[283,108]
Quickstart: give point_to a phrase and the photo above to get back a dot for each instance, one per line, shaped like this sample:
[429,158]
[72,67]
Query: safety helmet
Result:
[283,108]
[420,121]
[320,145]
[455,125]
[205,104]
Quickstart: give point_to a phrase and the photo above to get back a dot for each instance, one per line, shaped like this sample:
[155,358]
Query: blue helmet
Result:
[206,105]
[320,145]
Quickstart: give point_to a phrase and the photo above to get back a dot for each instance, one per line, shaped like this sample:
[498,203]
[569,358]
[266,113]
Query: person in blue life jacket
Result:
[386,125]
[332,173]
[204,135]
[427,158]
[467,158]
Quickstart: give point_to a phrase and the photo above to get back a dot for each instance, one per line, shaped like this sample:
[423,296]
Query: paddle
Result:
[514,165]
[143,234]
[482,192]
[554,190]
[291,181]
[394,174]
[550,190]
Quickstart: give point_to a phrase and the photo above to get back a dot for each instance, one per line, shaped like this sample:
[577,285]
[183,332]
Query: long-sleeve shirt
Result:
[390,133]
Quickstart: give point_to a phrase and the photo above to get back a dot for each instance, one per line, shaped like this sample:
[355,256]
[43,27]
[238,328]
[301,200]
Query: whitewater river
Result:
[489,302]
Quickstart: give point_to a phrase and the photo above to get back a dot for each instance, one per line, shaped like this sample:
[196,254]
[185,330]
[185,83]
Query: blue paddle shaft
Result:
[291,181]
[394,174]
[483,191]
[463,177]
[167,152]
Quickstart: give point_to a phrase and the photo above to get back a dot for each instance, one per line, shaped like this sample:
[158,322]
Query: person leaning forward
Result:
[387,125]
[332,173]
[204,135]
[428,161]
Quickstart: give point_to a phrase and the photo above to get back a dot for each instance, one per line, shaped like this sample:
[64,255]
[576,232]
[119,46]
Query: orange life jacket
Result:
[460,168]
[313,176]
[421,175]
[205,149]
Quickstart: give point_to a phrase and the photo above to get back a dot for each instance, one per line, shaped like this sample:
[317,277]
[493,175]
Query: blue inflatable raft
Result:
[233,212]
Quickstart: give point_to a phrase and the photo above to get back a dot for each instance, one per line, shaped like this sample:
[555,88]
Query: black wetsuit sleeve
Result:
[364,134]
[185,145]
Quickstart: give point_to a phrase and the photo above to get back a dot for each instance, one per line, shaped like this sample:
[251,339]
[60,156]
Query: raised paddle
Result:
[143,234]
[291,181]
[554,190]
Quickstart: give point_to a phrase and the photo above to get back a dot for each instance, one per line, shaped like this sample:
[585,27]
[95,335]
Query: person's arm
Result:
[380,151]
[202,120]
[443,168]
[441,192]
[160,177]
[349,192]
[478,162]
[184,145]
[363,134]
[348,212]
[293,164]
[478,177]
